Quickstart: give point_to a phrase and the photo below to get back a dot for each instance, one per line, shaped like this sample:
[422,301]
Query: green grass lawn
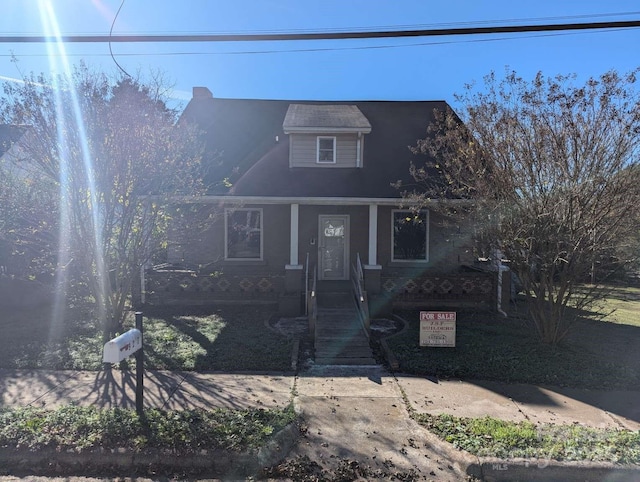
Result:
[489,437]
[229,338]
[622,305]
[602,352]
[178,432]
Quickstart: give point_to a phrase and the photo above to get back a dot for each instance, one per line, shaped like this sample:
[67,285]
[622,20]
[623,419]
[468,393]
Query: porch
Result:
[293,242]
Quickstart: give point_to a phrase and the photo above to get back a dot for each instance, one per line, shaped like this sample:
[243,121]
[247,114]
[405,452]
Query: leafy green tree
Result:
[551,168]
[105,146]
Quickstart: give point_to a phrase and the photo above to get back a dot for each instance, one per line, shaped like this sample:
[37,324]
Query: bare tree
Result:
[28,217]
[552,169]
[106,145]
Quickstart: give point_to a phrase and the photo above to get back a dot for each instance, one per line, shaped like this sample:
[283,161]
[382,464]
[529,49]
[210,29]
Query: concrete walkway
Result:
[355,413]
[615,409]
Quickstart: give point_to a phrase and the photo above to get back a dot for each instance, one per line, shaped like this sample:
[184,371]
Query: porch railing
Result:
[306,285]
[360,294]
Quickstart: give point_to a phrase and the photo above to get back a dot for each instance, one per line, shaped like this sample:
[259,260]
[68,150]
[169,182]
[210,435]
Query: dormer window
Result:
[326,135]
[326,152]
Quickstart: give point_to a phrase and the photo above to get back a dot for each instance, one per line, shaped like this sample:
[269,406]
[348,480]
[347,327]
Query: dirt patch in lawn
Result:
[384,327]
[289,327]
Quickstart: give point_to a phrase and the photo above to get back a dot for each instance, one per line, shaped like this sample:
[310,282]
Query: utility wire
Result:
[313,49]
[520,20]
[111,36]
[320,35]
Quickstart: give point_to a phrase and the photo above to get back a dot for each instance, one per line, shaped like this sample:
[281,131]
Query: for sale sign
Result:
[438,328]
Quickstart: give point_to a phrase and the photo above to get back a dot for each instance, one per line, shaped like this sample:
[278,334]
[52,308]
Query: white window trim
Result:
[426,259]
[333,138]
[226,234]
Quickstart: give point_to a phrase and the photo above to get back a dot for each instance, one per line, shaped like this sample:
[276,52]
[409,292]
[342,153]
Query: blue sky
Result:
[385,69]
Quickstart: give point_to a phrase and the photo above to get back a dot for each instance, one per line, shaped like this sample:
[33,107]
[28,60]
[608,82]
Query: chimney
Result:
[202,93]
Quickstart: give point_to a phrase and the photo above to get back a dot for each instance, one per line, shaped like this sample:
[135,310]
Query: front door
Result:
[333,248]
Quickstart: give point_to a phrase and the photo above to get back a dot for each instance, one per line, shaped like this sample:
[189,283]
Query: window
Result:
[326,150]
[243,234]
[410,233]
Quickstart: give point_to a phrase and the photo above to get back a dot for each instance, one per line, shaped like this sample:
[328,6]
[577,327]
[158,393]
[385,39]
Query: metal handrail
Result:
[359,268]
[358,279]
[312,303]
[314,281]
[306,285]
[360,294]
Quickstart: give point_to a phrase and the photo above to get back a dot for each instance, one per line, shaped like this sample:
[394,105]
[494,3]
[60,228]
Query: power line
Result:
[320,35]
[309,49]
[519,20]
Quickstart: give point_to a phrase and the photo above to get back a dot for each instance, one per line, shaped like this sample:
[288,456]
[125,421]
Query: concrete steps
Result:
[339,336]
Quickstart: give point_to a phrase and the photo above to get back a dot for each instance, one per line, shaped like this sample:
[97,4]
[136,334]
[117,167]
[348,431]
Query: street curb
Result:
[216,463]
[220,463]
[493,469]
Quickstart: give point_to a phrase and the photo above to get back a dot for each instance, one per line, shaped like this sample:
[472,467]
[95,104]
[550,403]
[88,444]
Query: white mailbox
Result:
[122,346]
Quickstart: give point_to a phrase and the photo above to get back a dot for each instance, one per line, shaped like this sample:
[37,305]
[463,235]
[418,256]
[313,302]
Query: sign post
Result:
[122,347]
[438,328]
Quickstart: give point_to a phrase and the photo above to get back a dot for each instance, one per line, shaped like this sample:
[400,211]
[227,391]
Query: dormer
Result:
[325,135]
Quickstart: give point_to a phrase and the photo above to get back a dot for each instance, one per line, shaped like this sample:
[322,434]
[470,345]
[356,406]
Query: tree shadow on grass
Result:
[621,292]
[227,339]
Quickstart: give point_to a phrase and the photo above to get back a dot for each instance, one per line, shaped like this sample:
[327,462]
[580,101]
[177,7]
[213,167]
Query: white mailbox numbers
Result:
[122,346]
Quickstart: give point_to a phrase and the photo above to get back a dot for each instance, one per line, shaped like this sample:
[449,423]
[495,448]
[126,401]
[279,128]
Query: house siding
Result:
[204,276]
[303,150]
[202,242]
[192,237]
[450,245]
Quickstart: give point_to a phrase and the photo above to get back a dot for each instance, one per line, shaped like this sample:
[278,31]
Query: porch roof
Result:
[303,200]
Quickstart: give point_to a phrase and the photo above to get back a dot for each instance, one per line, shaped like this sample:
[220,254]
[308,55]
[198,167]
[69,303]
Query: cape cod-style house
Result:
[311,205]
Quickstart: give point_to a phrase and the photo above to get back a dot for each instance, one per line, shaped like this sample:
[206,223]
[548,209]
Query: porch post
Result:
[290,301]
[293,234]
[373,234]
[372,270]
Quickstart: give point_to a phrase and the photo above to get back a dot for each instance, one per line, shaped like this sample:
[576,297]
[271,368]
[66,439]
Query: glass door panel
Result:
[334,242]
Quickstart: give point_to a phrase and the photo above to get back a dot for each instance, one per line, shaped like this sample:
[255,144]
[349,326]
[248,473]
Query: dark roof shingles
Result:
[242,135]
[325,116]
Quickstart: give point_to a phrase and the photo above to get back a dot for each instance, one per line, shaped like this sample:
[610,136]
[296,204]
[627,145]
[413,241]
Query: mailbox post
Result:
[122,347]
[139,369]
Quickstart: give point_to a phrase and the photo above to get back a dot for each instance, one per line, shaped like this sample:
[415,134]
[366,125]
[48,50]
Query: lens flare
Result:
[70,127]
